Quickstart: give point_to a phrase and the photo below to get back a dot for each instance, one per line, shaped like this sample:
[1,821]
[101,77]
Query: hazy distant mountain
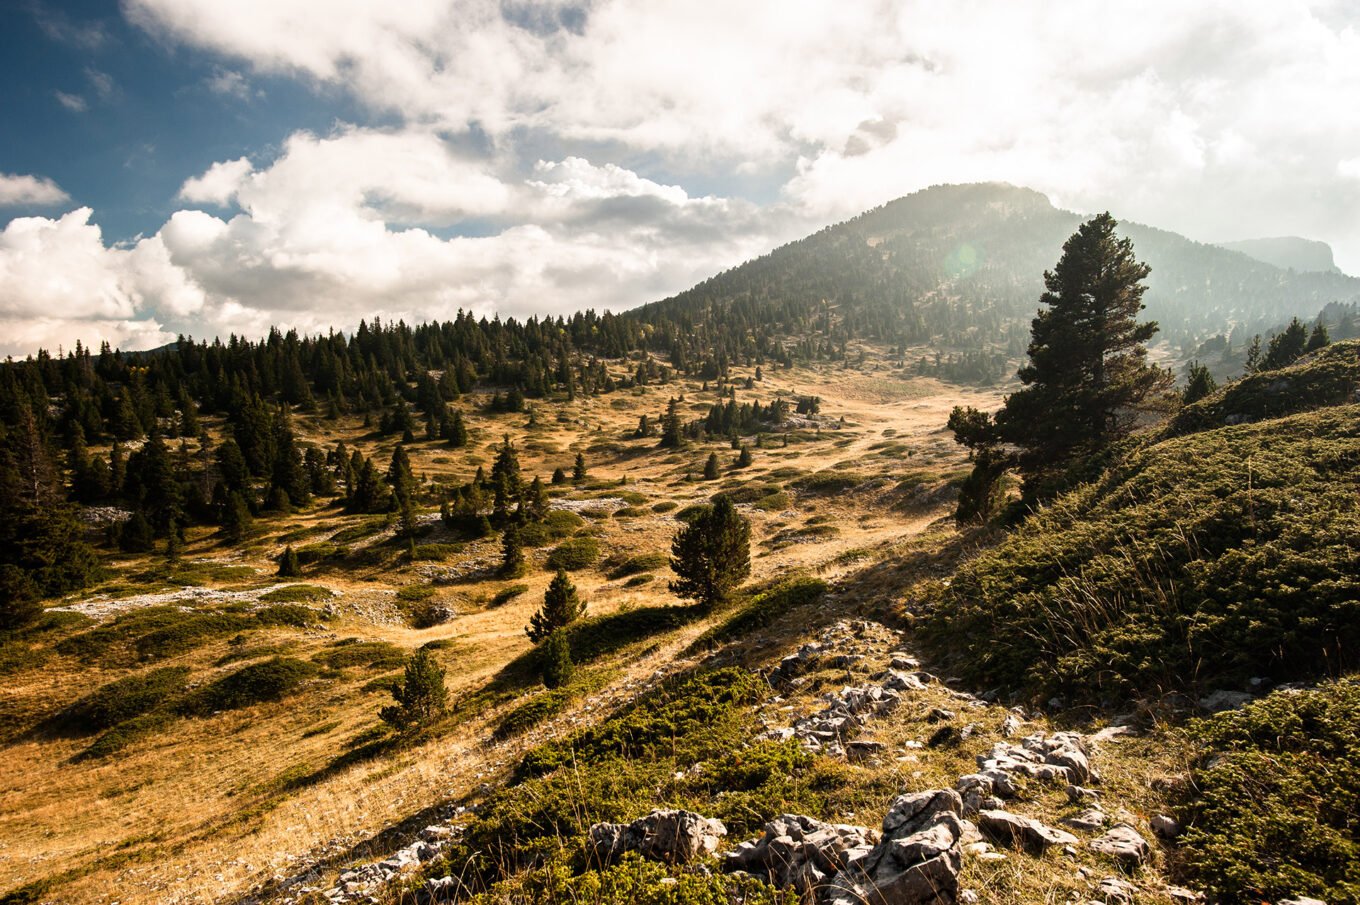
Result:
[960,265]
[1288,253]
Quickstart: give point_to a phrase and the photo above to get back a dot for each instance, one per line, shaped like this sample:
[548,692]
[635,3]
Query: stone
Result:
[1016,831]
[918,860]
[1165,826]
[1124,844]
[903,681]
[1088,820]
[669,836]
[1011,726]
[1114,890]
[801,852]
[1186,896]
[1301,900]
[863,749]
[1220,700]
[1076,794]
[939,715]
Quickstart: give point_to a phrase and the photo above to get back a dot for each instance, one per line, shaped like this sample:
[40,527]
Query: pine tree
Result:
[137,535]
[672,428]
[1286,347]
[286,471]
[512,552]
[422,695]
[744,457]
[561,607]
[578,471]
[537,500]
[370,494]
[980,495]
[555,659]
[711,467]
[455,433]
[505,480]
[403,490]
[1087,366]
[1199,382]
[236,518]
[712,554]
[559,476]
[289,567]
[1319,337]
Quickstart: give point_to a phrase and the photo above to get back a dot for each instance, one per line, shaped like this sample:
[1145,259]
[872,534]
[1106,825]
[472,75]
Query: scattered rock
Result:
[1301,900]
[801,852]
[1124,844]
[1115,890]
[673,837]
[918,860]
[1165,826]
[1013,830]
[1088,820]
[1224,700]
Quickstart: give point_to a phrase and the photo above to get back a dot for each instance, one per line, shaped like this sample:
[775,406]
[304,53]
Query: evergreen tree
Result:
[1253,359]
[744,457]
[19,598]
[711,467]
[1286,347]
[512,552]
[578,471]
[712,554]
[370,494]
[561,607]
[236,518]
[555,659]
[1087,366]
[1319,337]
[505,480]
[289,567]
[537,498]
[422,695]
[1198,383]
[980,495]
[559,476]
[137,535]
[454,431]
[672,428]
[403,491]
[287,472]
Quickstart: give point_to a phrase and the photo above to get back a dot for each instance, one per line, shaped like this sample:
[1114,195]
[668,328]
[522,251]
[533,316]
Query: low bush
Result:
[369,654]
[415,593]
[125,698]
[505,595]
[749,493]
[127,732]
[826,483]
[296,593]
[358,532]
[763,609]
[641,562]
[638,581]
[259,682]
[314,553]
[1271,812]
[665,506]
[433,552]
[577,553]
[289,614]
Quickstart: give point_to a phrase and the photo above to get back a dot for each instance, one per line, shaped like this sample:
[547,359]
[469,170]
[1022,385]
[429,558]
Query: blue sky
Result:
[193,166]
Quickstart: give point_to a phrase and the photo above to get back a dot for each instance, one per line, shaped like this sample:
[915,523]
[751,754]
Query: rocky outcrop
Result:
[801,852]
[1124,844]
[672,837]
[918,860]
[1059,758]
[1015,831]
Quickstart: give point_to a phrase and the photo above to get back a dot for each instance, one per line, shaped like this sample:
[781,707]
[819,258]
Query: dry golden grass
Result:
[199,812]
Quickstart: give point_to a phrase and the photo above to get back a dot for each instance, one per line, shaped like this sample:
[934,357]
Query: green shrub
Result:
[370,654]
[505,595]
[775,502]
[641,562]
[1273,802]
[577,553]
[749,493]
[1215,557]
[664,506]
[358,532]
[562,522]
[127,732]
[125,698]
[764,609]
[629,512]
[538,709]
[191,630]
[825,483]
[433,552]
[314,553]
[296,593]
[289,614]
[638,581]
[415,593]
[259,682]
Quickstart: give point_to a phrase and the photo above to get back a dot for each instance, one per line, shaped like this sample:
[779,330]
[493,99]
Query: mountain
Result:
[1288,253]
[961,266]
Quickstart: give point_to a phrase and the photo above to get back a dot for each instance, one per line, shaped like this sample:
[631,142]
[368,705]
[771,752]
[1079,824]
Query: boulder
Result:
[918,860]
[673,837]
[1087,821]
[801,852]
[1117,892]
[1165,826]
[1123,844]
[1013,830]
[1222,699]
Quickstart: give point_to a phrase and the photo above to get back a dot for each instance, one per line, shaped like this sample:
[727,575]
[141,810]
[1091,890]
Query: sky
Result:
[194,167]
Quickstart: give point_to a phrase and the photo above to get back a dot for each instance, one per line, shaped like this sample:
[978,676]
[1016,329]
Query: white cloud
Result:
[73,102]
[21,189]
[219,184]
[229,83]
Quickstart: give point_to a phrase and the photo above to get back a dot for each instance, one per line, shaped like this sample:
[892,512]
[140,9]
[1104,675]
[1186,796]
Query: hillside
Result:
[960,266]
[1288,253]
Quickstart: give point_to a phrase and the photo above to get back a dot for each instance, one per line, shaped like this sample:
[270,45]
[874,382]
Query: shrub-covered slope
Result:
[1196,561]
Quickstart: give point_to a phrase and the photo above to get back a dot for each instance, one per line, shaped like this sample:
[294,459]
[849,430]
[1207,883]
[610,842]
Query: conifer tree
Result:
[1286,347]
[712,554]
[422,695]
[454,431]
[561,607]
[289,567]
[370,494]
[672,428]
[236,518]
[537,498]
[505,480]
[512,552]
[744,457]
[1087,368]
[1319,337]
[559,476]
[136,535]
[555,659]
[711,467]
[1198,383]
[578,471]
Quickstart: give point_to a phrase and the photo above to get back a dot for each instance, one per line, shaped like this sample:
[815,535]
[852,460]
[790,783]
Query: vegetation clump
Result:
[422,695]
[711,554]
[575,554]
[257,683]
[1271,807]
[125,698]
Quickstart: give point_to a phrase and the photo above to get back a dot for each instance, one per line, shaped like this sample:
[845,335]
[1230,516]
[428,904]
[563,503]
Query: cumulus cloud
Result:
[22,189]
[219,184]
[73,102]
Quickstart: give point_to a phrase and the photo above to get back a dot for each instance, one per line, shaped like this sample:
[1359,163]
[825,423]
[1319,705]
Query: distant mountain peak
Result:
[1288,253]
